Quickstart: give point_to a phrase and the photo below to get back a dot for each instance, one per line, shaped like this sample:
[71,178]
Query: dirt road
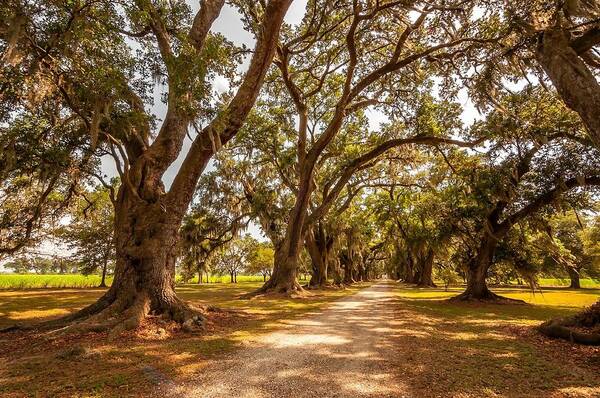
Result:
[340,352]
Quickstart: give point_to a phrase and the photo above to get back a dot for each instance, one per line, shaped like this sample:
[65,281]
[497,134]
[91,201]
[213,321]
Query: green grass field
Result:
[585,282]
[54,281]
[76,281]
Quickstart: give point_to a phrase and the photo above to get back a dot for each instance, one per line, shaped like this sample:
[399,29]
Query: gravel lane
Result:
[340,352]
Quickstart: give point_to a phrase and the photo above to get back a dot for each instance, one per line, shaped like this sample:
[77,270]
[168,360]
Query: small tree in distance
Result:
[260,260]
[234,257]
[90,233]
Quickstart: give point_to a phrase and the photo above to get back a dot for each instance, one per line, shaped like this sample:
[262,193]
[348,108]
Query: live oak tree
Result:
[570,237]
[546,161]
[538,156]
[360,246]
[553,42]
[202,235]
[564,39]
[235,256]
[91,65]
[42,144]
[41,155]
[581,250]
[419,220]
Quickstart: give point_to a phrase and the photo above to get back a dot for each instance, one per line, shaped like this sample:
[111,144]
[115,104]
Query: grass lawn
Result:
[492,350]
[464,350]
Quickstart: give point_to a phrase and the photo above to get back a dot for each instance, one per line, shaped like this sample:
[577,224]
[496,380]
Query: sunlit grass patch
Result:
[544,304]
[585,282]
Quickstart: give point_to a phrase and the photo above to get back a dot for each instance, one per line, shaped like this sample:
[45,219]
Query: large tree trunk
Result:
[319,247]
[147,218]
[426,276]
[574,276]
[477,288]
[146,239]
[409,269]
[144,282]
[287,253]
[335,271]
[285,270]
[397,264]
[361,272]
[348,268]
[571,77]
[319,266]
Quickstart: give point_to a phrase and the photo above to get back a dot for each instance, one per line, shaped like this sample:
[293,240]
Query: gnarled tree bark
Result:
[426,276]
[478,267]
[319,245]
[560,57]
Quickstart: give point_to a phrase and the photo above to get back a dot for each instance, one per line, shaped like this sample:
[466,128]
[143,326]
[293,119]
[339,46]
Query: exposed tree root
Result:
[565,328]
[104,302]
[125,313]
[486,296]
[116,318]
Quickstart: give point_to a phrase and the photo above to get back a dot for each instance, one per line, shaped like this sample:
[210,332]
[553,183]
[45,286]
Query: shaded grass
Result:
[32,365]
[491,350]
